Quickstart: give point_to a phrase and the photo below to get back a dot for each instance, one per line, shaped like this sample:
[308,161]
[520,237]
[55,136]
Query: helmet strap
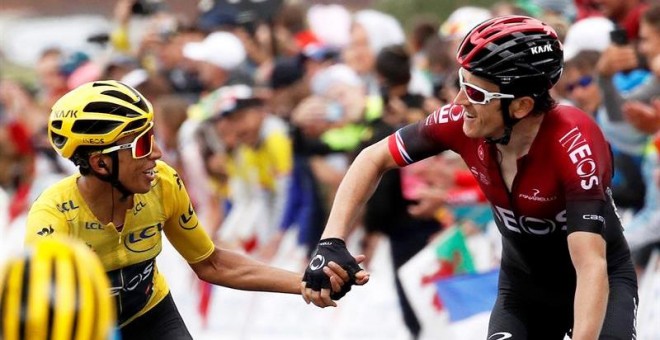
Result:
[113,177]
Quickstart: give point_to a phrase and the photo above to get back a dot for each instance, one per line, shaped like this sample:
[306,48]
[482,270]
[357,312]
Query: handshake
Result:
[331,273]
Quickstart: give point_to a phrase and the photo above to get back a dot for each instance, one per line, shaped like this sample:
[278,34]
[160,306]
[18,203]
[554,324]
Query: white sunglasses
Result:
[141,146]
[477,95]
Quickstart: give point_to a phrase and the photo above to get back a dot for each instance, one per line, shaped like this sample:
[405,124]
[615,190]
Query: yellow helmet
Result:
[56,290]
[97,114]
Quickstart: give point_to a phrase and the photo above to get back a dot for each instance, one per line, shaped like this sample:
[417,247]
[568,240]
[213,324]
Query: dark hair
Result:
[291,17]
[286,72]
[543,101]
[81,158]
[652,16]
[423,29]
[393,64]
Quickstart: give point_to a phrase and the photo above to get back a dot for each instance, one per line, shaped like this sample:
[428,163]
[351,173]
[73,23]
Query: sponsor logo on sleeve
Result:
[188,220]
[46,231]
[178,180]
[580,154]
[590,217]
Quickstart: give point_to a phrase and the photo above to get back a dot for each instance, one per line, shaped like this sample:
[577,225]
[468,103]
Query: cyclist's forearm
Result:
[234,270]
[356,188]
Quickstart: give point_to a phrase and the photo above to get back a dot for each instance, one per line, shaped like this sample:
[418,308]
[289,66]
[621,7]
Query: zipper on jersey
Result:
[119,300]
[514,185]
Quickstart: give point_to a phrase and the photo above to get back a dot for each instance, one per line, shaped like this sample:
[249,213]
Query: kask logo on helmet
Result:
[541,49]
[65,114]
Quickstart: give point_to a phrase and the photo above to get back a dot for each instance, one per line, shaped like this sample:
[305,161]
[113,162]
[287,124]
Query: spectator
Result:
[259,171]
[625,13]
[386,213]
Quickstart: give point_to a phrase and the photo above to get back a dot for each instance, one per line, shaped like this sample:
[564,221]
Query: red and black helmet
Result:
[513,49]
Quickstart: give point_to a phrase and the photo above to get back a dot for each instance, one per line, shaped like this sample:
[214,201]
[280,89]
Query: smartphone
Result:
[619,36]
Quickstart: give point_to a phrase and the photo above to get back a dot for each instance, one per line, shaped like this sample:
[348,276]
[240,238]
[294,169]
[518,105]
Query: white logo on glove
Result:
[501,336]
[317,262]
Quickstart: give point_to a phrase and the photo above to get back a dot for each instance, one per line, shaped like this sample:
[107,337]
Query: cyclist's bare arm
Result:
[588,256]
[357,187]
[234,270]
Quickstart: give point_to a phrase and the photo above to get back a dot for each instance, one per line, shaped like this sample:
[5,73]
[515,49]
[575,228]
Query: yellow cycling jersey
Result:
[128,256]
[271,159]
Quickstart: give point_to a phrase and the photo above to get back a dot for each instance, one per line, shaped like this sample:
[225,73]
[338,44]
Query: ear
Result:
[521,107]
[100,164]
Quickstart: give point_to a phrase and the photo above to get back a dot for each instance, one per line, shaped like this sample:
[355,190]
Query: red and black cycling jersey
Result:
[561,186]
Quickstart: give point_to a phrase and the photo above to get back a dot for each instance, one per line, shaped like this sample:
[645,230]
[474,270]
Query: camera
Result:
[146,7]
[99,38]
[619,36]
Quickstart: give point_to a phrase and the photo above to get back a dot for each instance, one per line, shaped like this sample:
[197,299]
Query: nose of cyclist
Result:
[156,153]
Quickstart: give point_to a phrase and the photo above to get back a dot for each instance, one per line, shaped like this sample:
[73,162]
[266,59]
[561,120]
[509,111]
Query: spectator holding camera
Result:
[624,13]
[620,58]
[620,80]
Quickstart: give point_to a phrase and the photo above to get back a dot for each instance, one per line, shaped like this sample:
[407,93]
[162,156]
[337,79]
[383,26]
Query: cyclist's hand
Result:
[332,266]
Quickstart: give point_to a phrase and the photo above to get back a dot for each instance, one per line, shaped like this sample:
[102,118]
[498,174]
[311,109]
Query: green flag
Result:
[453,253]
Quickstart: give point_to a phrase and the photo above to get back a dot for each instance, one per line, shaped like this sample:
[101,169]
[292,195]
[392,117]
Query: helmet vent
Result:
[94,126]
[118,95]
[111,108]
[134,125]
[141,103]
[58,139]
[56,124]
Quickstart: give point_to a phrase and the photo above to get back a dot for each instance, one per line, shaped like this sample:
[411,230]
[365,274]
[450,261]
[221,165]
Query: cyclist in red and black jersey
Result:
[546,170]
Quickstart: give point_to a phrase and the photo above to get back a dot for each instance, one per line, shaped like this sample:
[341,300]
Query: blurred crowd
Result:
[262,111]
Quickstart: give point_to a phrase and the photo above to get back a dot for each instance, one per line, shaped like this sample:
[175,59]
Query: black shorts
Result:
[161,322]
[517,315]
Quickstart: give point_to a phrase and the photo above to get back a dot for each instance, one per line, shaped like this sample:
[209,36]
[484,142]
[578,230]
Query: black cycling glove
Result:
[330,249]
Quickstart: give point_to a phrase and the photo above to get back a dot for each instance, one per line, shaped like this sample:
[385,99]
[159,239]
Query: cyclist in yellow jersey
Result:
[122,200]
